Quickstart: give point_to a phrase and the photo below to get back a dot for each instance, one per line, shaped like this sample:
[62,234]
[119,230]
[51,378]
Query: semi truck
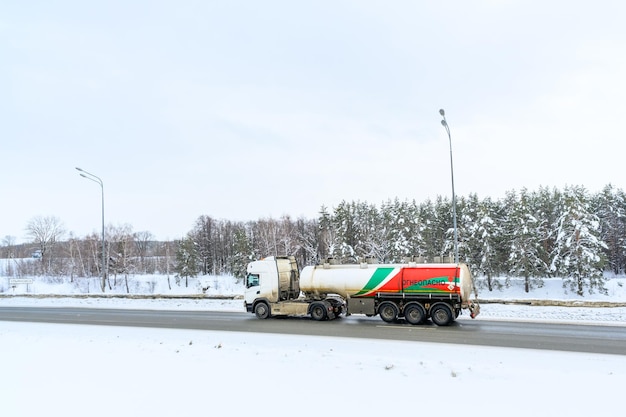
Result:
[413,292]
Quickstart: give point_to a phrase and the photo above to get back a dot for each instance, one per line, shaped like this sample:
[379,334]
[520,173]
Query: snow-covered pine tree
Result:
[413,230]
[187,261]
[578,254]
[610,205]
[463,209]
[546,203]
[393,218]
[343,222]
[483,233]
[468,216]
[401,221]
[525,248]
[433,236]
[242,252]
[441,225]
[375,238]
[327,234]
[370,234]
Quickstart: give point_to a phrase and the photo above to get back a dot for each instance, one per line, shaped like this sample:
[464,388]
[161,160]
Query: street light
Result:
[97,180]
[456,236]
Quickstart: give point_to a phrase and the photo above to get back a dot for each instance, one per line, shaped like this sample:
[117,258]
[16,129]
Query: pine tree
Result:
[525,243]
[328,235]
[546,203]
[413,229]
[242,252]
[483,232]
[344,223]
[578,255]
[403,222]
[610,206]
[186,260]
[375,233]
[430,235]
[439,228]
[466,217]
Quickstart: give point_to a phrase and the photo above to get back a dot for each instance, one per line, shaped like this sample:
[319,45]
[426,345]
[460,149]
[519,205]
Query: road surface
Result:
[530,335]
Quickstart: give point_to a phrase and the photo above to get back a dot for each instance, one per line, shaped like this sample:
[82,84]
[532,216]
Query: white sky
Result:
[241,109]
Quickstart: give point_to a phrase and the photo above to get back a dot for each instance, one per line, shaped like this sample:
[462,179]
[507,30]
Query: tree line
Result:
[550,232]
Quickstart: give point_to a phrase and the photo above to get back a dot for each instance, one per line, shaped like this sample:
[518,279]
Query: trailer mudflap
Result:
[474,309]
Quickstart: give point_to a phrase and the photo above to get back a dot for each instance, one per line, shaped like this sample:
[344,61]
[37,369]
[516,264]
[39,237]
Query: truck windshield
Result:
[252,280]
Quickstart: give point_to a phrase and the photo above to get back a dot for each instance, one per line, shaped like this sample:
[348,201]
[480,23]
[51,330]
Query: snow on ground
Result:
[77,370]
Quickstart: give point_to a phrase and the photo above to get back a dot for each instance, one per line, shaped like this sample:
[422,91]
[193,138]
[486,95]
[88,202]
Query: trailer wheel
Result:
[414,313]
[441,314]
[318,311]
[388,311]
[262,310]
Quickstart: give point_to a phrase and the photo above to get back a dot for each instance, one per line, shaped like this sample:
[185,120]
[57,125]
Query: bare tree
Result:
[121,260]
[45,232]
[168,245]
[142,241]
[8,242]
[73,251]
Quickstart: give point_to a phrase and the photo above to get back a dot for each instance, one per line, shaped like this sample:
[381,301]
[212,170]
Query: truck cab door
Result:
[252,288]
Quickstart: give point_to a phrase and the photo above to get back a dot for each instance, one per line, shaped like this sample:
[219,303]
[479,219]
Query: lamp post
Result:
[456,236]
[97,180]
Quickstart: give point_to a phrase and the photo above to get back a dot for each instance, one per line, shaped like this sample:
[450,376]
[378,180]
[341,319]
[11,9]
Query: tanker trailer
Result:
[413,292]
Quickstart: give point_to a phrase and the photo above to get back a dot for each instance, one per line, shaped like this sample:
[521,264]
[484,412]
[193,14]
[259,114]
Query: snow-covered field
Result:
[76,370]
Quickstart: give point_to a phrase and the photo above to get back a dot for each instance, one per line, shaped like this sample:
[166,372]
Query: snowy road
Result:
[532,335]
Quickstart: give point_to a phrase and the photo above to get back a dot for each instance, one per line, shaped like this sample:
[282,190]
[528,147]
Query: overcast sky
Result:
[243,110]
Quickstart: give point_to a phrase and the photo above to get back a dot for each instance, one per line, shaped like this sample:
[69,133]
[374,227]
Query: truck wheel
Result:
[388,311]
[414,313]
[262,310]
[318,311]
[441,314]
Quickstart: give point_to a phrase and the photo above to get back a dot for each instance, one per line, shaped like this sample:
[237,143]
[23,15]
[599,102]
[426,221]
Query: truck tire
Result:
[388,311]
[318,311]
[262,310]
[441,314]
[414,313]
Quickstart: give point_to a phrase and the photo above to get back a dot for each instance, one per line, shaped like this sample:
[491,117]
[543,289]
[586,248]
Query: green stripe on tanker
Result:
[378,277]
[433,285]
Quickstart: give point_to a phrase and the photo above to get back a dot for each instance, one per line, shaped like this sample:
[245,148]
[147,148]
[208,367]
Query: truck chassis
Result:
[442,310]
